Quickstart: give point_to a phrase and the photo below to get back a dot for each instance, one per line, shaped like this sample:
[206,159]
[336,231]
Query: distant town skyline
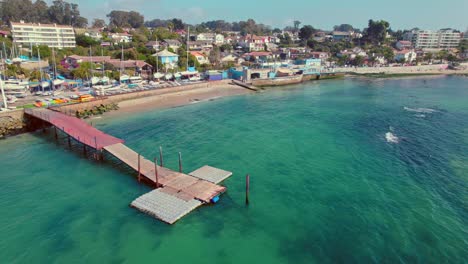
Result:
[324,14]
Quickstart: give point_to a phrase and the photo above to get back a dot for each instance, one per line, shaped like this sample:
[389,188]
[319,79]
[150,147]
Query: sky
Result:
[323,14]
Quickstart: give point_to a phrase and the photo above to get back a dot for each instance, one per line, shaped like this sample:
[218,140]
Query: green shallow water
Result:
[326,185]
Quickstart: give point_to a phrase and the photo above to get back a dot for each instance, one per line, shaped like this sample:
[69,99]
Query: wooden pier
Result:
[176,193]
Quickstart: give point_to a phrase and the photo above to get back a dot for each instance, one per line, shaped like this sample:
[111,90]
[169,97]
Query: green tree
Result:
[98,23]
[286,40]
[83,71]
[277,30]
[177,23]
[125,19]
[342,60]
[428,56]
[85,41]
[64,13]
[343,27]
[451,57]
[226,48]
[463,47]
[35,76]
[161,33]
[45,51]
[376,32]
[306,33]
[297,23]
[401,60]
[215,56]
[358,60]
[40,12]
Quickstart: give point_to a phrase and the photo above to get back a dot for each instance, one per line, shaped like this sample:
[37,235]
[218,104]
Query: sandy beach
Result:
[174,97]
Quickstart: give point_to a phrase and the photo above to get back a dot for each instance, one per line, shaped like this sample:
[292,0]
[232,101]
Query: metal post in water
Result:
[139,169]
[180,162]
[161,156]
[156,171]
[247,188]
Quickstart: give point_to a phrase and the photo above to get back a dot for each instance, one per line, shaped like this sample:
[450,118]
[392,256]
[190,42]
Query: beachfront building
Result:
[201,58]
[174,44]
[94,34]
[121,38]
[341,35]
[73,61]
[320,55]
[428,39]
[403,44]
[200,45]
[407,55]
[167,58]
[258,56]
[254,43]
[4,34]
[51,35]
[231,59]
[153,45]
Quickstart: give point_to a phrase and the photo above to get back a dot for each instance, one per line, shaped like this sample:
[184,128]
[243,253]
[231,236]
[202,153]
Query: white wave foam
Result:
[391,138]
[421,110]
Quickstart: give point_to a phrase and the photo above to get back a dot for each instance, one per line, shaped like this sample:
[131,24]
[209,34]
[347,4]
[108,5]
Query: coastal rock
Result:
[11,126]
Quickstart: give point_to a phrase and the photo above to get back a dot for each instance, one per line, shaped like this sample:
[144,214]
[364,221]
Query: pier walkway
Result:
[75,128]
[176,193]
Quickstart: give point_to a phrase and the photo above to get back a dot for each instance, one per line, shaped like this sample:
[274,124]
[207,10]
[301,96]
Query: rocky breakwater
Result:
[12,123]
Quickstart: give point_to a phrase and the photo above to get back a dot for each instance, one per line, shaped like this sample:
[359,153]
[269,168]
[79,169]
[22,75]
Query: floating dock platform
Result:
[169,205]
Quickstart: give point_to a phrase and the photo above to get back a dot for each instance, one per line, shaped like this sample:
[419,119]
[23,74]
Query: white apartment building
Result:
[212,37]
[428,39]
[52,35]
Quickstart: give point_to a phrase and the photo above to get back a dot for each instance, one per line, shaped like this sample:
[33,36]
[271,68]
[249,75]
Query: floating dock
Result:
[169,204]
[176,193]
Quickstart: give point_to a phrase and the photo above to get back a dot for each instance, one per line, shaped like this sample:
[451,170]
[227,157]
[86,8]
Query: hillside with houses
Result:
[131,45]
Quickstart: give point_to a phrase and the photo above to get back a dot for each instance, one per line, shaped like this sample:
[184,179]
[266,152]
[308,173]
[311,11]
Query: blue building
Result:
[167,58]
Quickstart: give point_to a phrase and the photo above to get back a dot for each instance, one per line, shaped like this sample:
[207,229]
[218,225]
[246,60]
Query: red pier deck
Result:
[76,128]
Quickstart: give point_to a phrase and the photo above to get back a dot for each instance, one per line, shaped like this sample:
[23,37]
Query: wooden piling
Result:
[139,168]
[55,130]
[180,162]
[161,156]
[156,171]
[247,188]
[68,137]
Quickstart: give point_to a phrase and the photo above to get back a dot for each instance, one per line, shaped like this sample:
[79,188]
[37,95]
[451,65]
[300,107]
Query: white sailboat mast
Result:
[1,84]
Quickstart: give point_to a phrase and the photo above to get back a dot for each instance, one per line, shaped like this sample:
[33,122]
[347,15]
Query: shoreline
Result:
[166,98]
[177,99]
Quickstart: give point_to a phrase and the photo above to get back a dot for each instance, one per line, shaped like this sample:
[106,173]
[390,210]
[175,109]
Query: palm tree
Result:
[297,23]
[170,26]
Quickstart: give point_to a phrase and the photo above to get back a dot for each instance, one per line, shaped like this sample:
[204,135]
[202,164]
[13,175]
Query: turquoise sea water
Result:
[326,184]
